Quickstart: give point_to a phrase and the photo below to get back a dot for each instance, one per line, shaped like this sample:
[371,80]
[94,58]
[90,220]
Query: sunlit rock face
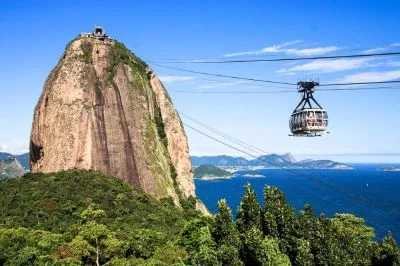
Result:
[102,108]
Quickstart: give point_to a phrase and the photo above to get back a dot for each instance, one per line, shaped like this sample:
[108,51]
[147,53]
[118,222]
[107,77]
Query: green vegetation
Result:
[160,125]
[81,217]
[208,170]
[86,48]
[77,216]
[119,54]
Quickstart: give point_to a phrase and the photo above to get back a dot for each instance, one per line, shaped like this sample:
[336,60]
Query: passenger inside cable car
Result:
[309,121]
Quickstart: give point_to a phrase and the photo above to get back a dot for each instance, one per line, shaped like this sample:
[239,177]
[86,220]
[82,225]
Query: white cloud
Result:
[393,63]
[312,51]
[18,149]
[397,44]
[335,65]
[375,50]
[170,79]
[3,148]
[271,49]
[281,48]
[371,76]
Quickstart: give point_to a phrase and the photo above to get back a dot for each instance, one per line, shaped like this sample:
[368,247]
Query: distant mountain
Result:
[23,159]
[271,160]
[390,169]
[289,157]
[221,160]
[10,168]
[4,155]
[208,170]
[323,164]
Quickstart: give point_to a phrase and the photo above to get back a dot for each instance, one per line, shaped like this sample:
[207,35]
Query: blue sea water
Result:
[366,191]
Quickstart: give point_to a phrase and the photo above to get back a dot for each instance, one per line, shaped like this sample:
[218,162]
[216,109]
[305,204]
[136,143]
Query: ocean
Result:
[365,191]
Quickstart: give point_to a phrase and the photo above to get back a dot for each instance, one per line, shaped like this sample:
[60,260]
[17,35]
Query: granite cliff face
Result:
[102,108]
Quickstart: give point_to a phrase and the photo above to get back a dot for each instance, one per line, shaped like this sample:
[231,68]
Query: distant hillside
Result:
[221,160]
[23,159]
[4,155]
[64,194]
[322,164]
[10,168]
[271,160]
[208,170]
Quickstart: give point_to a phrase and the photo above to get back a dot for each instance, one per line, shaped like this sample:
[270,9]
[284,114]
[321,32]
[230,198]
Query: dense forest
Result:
[81,217]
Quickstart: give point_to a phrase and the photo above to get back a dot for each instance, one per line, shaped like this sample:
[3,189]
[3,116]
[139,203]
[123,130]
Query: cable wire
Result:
[284,91]
[278,59]
[275,54]
[274,82]
[222,134]
[360,83]
[226,76]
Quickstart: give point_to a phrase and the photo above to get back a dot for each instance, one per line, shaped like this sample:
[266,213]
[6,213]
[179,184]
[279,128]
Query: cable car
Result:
[309,119]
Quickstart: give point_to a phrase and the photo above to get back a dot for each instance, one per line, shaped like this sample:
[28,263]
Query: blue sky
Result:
[34,35]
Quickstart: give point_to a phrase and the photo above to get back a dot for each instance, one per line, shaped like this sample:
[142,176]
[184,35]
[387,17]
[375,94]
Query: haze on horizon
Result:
[364,125]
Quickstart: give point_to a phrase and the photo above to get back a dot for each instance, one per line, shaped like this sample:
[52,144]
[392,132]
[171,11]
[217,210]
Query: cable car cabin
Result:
[308,119]
[308,122]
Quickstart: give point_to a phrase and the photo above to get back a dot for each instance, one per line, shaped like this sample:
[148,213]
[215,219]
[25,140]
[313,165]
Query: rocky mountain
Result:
[10,168]
[103,108]
[271,160]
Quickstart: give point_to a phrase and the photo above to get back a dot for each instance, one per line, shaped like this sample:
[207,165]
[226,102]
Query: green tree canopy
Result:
[249,212]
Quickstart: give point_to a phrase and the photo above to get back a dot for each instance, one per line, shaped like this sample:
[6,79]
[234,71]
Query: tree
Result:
[196,238]
[23,246]
[307,228]
[94,240]
[261,251]
[354,239]
[304,255]
[325,248]
[226,236]
[171,254]
[307,223]
[279,219]
[387,252]
[249,212]
[142,243]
